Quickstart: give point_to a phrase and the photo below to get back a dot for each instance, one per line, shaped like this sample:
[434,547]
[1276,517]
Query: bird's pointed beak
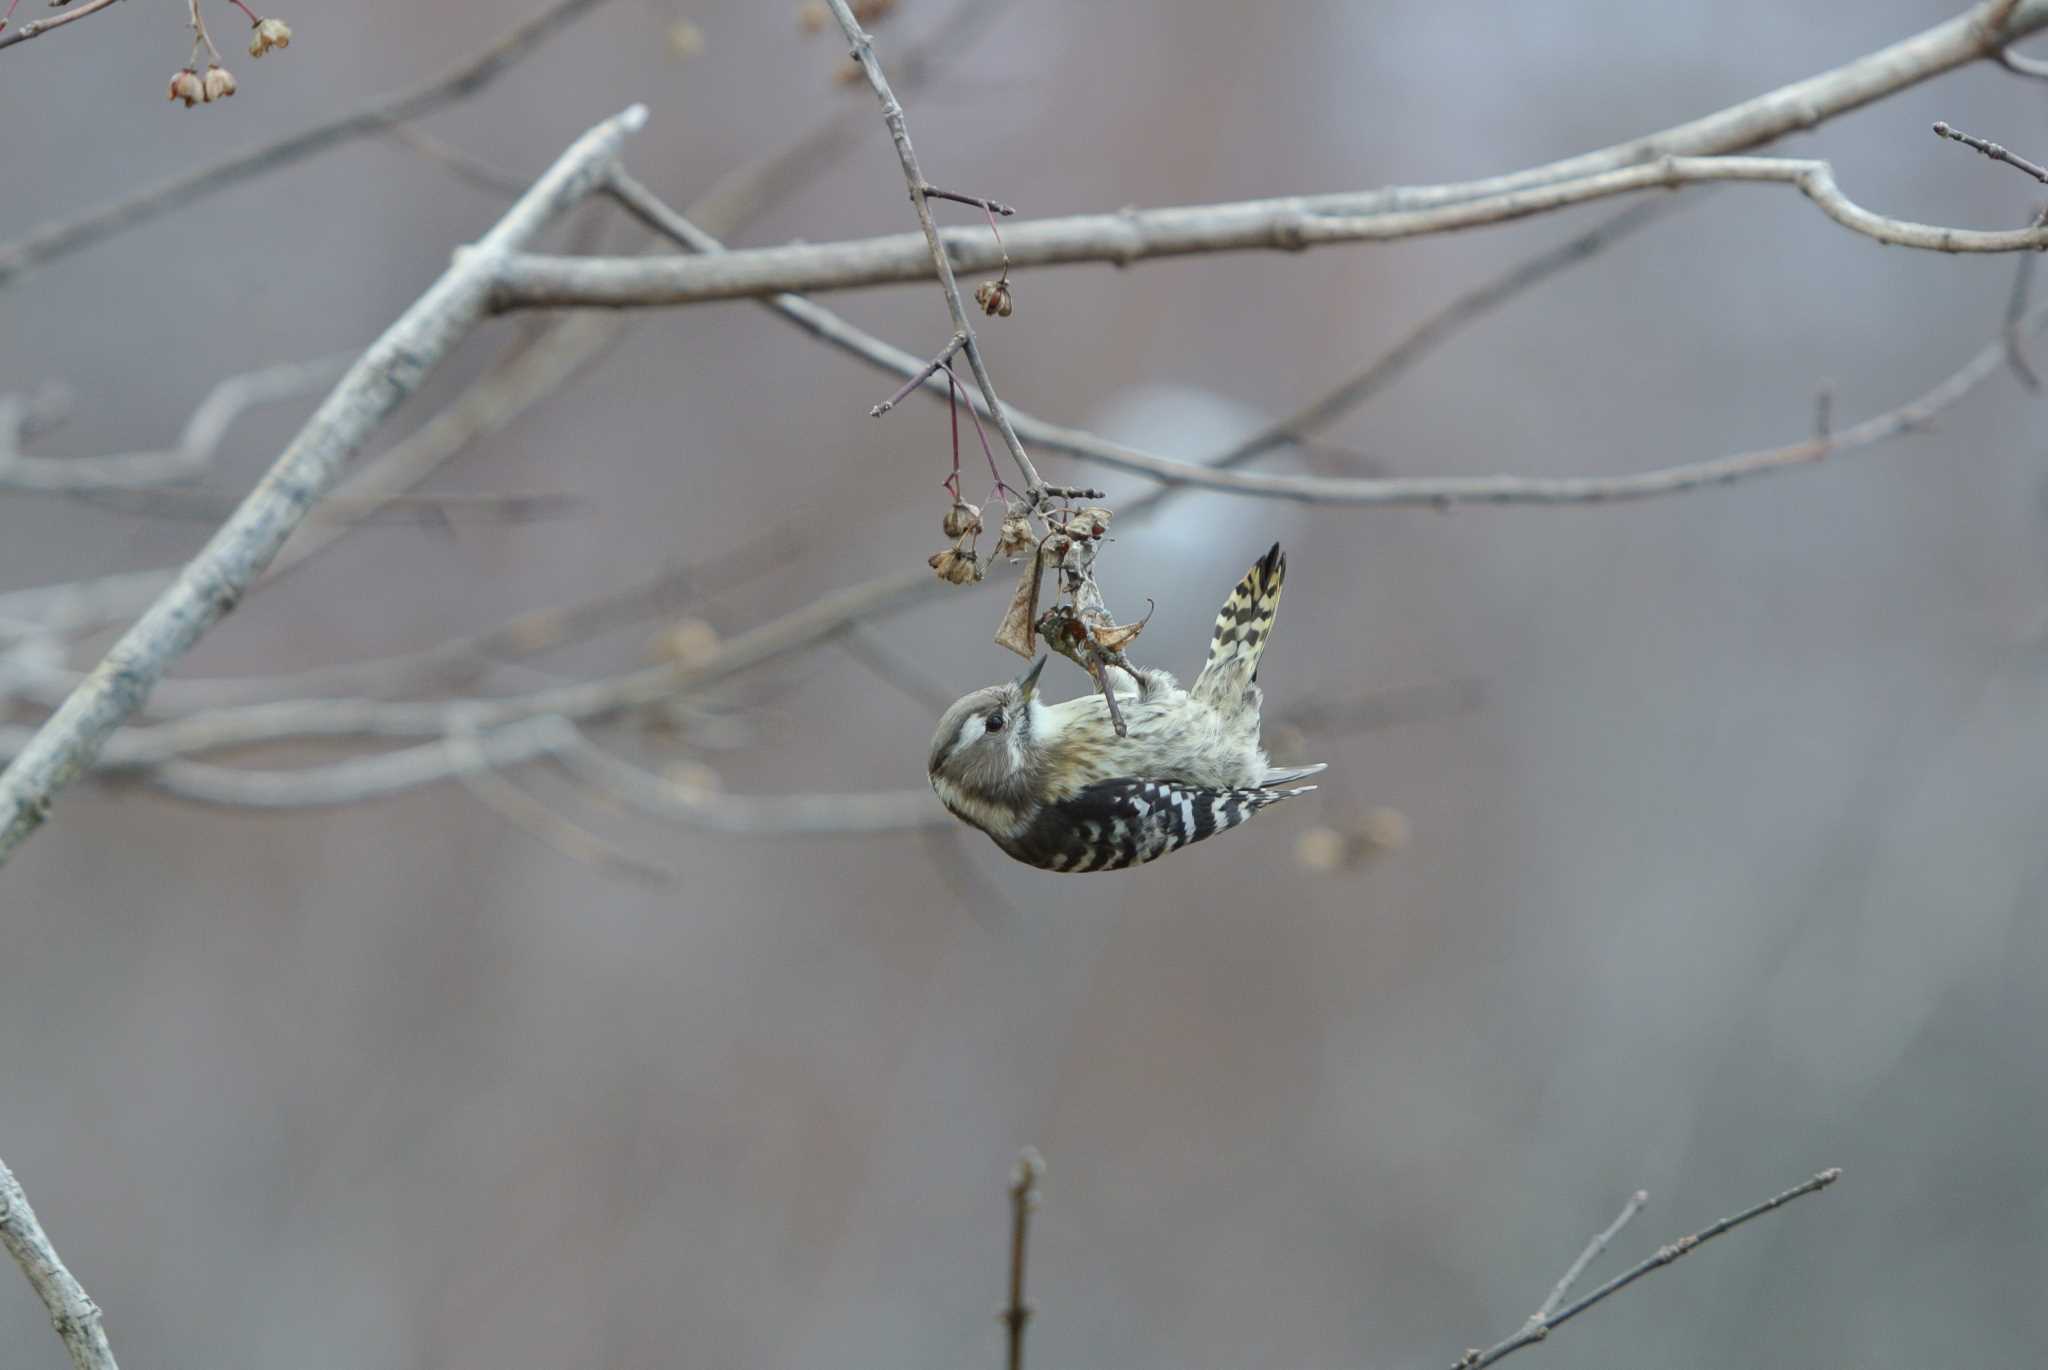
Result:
[1028,682]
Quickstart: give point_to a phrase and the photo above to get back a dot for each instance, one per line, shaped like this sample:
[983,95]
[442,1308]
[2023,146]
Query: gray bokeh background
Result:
[1736,872]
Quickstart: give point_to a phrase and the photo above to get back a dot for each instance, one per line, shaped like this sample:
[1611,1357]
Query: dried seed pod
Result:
[1016,537]
[994,298]
[956,566]
[186,86]
[963,520]
[270,33]
[219,83]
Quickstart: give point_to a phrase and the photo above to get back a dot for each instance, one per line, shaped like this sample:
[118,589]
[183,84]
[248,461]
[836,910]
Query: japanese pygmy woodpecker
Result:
[1056,787]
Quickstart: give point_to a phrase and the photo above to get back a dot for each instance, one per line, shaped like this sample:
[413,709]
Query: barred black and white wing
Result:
[1115,824]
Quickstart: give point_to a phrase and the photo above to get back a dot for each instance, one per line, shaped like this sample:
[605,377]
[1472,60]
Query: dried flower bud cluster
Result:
[957,566]
[269,33]
[188,85]
[994,298]
[1016,537]
[960,564]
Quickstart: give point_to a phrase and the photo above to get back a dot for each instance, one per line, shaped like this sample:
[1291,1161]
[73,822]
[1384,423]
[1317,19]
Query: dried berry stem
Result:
[913,176]
[945,355]
[200,37]
[932,192]
[254,18]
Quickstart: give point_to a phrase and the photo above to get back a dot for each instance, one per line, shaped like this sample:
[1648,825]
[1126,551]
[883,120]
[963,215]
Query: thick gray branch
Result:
[1425,491]
[75,1316]
[392,368]
[539,281]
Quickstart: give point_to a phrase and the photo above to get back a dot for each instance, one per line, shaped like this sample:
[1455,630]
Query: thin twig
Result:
[200,37]
[1024,1180]
[463,165]
[1592,1253]
[1996,152]
[198,444]
[810,815]
[941,266]
[474,769]
[37,27]
[1439,327]
[856,643]
[2015,319]
[927,370]
[76,1316]
[932,192]
[1539,1328]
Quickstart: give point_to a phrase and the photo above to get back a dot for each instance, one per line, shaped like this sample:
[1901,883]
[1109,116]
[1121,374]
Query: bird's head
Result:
[984,746]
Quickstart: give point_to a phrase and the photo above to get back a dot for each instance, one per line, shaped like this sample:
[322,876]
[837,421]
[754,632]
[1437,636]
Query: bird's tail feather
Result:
[1242,628]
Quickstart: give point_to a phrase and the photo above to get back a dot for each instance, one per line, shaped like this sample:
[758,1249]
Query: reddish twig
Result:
[932,192]
[945,355]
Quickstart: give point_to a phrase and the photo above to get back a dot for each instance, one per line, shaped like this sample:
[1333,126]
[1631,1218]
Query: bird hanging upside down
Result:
[1056,787]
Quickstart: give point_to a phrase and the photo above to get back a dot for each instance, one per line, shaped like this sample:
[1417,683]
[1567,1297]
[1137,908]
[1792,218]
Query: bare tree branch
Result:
[1426,491]
[392,368]
[535,280]
[814,815]
[1540,1327]
[76,1317]
[64,236]
[935,247]
[499,794]
[37,27]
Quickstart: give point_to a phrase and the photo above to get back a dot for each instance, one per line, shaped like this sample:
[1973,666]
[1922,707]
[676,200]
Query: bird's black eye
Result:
[995,721]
